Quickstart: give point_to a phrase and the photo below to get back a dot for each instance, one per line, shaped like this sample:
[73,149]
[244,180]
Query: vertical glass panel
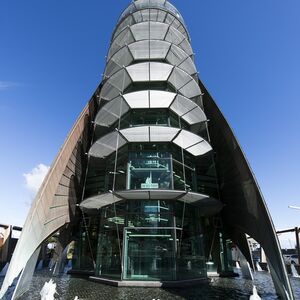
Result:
[149,170]
[150,213]
[87,244]
[149,254]
[183,180]
[110,241]
[191,262]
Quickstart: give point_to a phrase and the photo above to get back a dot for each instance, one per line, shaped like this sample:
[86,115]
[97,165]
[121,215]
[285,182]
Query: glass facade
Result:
[143,240]
[145,166]
[160,117]
[149,165]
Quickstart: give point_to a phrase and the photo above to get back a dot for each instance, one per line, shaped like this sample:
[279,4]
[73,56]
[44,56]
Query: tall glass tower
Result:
[151,183]
[151,179]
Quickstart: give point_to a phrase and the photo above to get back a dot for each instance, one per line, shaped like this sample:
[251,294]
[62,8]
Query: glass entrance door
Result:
[149,254]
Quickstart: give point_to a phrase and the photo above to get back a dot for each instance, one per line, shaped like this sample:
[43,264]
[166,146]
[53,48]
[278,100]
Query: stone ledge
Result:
[153,284]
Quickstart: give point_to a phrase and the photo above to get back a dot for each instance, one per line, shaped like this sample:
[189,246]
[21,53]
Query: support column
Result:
[297,242]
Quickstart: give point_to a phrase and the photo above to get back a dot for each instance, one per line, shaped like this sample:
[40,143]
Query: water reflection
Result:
[220,288]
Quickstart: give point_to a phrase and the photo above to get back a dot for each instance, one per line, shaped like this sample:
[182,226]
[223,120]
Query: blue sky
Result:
[52,54]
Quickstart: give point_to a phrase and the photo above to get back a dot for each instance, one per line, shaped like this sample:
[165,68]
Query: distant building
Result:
[151,183]
[9,236]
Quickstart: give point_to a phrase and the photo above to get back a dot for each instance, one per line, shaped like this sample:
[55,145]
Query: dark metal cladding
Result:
[245,210]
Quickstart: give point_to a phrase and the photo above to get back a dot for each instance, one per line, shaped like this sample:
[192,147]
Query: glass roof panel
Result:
[186,139]
[191,90]
[126,22]
[158,30]
[137,99]
[140,4]
[120,80]
[186,46]
[136,134]
[160,99]
[106,145]
[169,19]
[188,66]
[176,55]
[200,149]
[145,4]
[174,36]
[138,17]
[162,134]
[176,23]
[111,112]
[145,15]
[159,71]
[195,116]
[121,58]
[159,49]
[140,50]
[161,16]
[139,72]
[125,37]
[140,31]
[182,105]
[108,92]
[111,68]
[153,15]
[98,201]
[179,78]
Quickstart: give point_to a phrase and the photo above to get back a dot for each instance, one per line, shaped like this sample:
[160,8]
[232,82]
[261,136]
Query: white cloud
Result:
[4,85]
[35,177]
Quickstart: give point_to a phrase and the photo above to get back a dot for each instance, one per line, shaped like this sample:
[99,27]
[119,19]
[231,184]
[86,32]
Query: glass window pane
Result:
[149,254]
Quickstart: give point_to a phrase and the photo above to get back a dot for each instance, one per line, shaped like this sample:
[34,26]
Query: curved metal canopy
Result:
[144,4]
[185,108]
[150,72]
[207,205]
[154,14]
[149,31]
[150,50]
[192,143]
